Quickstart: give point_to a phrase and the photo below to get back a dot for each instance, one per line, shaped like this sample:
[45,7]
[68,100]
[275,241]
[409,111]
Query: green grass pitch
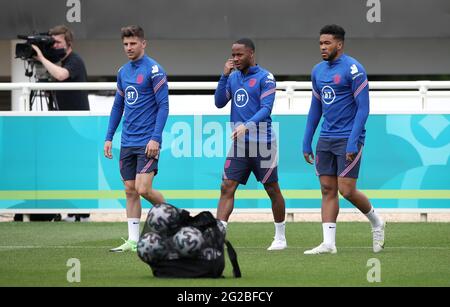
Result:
[416,254]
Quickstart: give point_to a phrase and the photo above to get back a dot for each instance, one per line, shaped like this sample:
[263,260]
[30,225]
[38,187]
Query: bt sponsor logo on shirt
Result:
[328,94]
[240,98]
[131,95]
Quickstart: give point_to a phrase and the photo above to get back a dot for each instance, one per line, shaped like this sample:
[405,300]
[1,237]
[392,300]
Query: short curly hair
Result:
[337,31]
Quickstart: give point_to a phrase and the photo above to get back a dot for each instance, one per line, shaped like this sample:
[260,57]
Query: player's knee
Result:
[271,190]
[226,189]
[131,194]
[328,191]
[144,191]
[347,193]
[130,191]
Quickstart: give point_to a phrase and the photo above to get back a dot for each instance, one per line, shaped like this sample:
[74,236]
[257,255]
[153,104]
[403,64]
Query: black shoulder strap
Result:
[233,258]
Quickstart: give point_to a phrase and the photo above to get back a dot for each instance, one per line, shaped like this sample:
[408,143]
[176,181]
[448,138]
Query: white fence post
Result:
[290,95]
[423,89]
[25,98]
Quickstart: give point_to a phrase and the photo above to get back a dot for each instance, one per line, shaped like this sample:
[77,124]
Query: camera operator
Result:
[72,69]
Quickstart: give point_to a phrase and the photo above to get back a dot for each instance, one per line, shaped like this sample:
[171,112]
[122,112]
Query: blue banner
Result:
[57,162]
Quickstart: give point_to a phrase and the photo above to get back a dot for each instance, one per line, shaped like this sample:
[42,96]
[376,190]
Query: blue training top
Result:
[142,91]
[252,97]
[341,93]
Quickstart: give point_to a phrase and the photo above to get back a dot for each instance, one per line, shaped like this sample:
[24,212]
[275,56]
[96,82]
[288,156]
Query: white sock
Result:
[225,224]
[280,231]
[374,219]
[133,229]
[329,233]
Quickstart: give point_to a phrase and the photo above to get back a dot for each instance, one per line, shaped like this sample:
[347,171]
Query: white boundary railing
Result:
[289,87]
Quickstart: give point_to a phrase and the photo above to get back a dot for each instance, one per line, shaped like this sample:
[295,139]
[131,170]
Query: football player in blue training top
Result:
[251,90]
[341,94]
[142,99]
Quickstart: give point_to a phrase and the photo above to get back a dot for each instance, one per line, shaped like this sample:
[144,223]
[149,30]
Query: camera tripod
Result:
[41,97]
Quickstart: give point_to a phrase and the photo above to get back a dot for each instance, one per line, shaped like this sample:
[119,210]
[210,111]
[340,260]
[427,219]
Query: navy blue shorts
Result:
[331,161]
[134,161]
[246,157]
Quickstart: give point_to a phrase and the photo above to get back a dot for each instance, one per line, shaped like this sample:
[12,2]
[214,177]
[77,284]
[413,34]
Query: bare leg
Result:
[330,199]
[347,188]
[144,187]
[133,217]
[226,202]
[330,211]
[278,211]
[133,200]
[278,204]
